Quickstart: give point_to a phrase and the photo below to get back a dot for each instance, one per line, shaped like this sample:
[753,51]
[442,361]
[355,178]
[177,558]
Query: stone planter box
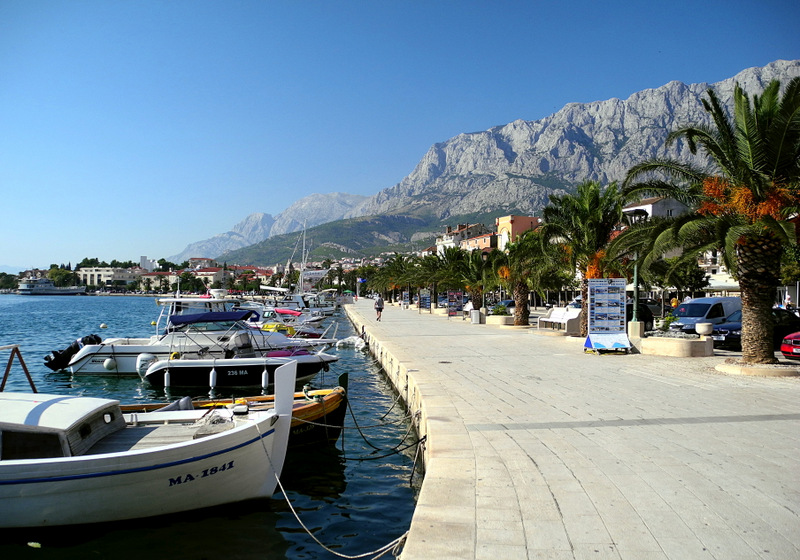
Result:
[677,347]
[499,319]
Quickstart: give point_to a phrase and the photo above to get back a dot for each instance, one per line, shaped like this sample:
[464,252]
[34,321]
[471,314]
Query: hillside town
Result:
[200,274]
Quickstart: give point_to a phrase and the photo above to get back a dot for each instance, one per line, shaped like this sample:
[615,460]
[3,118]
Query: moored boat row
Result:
[67,460]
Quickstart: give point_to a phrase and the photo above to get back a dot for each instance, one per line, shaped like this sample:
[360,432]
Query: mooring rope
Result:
[394,451]
[393,545]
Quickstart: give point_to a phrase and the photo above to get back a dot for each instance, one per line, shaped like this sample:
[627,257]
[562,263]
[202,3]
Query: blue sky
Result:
[133,128]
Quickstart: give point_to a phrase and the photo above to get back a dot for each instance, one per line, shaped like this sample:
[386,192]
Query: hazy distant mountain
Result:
[515,167]
[313,210]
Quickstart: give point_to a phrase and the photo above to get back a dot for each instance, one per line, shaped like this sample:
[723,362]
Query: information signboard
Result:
[455,303]
[606,308]
[424,299]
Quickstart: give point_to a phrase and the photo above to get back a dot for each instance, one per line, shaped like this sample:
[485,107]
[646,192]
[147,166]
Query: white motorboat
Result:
[234,372]
[72,460]
[194,329]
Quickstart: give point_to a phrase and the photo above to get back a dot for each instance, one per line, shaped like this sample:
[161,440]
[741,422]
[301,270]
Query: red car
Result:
[790,346]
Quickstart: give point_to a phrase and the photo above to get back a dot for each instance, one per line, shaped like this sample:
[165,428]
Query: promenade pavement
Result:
[538,450]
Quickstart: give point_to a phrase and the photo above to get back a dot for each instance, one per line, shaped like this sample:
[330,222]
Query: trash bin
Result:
[475,316]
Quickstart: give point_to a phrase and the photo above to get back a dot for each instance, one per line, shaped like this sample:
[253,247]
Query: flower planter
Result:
[499,319]
[677,347]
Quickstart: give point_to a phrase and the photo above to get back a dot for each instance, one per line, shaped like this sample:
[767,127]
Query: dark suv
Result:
[644,315]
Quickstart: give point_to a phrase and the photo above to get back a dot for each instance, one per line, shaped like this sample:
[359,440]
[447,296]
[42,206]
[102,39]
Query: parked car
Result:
[729,333]
[704,310]
[790,346]
[643,314]
[508,303]
[653,305]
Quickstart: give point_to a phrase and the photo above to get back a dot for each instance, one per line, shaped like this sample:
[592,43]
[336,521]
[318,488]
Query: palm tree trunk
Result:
[521,311]
[758,261]
[584,317]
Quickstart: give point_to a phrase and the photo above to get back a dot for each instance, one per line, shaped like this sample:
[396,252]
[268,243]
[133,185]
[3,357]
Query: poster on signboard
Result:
[455,303]
[606,320]
[424,299]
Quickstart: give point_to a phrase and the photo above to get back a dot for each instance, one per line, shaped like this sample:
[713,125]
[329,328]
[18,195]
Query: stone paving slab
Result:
[536,449]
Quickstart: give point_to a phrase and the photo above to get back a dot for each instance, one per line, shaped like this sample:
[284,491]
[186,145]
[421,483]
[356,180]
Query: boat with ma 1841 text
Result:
[72,460]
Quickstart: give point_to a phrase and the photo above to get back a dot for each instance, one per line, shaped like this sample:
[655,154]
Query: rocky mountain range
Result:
[507,169]
[516,166]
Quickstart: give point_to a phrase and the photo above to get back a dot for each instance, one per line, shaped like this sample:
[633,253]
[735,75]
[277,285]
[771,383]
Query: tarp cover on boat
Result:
[209,317]
[286,311]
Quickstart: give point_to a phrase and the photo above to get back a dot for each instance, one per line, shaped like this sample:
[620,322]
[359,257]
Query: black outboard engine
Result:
[59,359]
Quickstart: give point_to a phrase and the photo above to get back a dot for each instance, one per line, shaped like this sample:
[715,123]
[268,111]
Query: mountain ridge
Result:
[514,168]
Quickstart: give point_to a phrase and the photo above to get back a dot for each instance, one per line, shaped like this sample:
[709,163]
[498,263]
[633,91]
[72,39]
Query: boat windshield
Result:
[209,326]
[691,310]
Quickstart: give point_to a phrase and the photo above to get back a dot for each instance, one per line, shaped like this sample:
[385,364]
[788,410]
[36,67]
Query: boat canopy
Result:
[210,317]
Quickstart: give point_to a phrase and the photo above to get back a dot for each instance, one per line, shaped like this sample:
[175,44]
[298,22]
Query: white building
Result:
[148,264]
[454,236]
[108,276]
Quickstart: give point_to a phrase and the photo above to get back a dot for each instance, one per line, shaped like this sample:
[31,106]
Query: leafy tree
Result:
[790,268]
[8,281]
[123,264]
[742,202]
[91,263]
[165,266]
[62,277]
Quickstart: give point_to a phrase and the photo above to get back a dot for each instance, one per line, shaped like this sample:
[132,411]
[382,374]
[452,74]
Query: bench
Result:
[558,317]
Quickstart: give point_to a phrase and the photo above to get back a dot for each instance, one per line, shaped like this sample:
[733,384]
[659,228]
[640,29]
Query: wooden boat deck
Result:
[155,429]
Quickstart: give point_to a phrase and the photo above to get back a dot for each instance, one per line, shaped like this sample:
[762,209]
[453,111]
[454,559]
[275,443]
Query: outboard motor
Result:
[59,359]
[240,346]
[144,361]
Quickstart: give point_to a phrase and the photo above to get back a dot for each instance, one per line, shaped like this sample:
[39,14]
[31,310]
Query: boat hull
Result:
[243,372]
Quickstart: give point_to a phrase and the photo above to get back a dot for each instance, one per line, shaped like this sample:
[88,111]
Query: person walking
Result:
[379,306]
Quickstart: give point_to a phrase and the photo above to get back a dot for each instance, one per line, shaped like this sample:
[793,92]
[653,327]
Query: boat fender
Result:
[110,364]
[265,378]
[166,379]
[212,378]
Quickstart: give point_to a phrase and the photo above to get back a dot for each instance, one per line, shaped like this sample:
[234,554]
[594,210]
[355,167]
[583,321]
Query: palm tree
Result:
[529,263]
[743,206]
[394,274]
[582,224]
[477,276]
[452,264]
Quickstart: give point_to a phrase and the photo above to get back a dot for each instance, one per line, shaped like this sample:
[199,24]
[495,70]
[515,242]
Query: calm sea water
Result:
[353,497]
